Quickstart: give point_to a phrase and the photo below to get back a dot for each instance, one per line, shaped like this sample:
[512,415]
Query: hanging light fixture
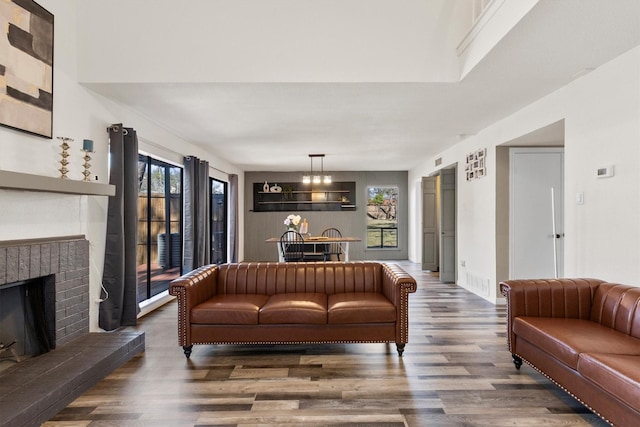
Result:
[306,179]
[316,179]
[325,178]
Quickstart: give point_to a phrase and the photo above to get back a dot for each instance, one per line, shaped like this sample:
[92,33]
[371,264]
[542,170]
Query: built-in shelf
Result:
[300,201]
[296,196]
[307,192]
[29,182]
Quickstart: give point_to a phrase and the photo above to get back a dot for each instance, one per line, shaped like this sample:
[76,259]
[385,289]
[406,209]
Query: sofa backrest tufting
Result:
[277,278]
[618,307]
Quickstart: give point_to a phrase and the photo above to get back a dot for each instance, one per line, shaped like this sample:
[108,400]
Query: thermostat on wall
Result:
[605,172]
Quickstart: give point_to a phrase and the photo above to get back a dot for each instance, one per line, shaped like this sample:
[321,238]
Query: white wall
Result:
[602,126]
[79,114]
[315,41]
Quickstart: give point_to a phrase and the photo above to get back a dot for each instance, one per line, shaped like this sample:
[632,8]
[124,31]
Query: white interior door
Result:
[533,174]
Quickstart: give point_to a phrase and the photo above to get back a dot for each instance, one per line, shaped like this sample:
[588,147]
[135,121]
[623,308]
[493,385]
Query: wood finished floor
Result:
[456,371]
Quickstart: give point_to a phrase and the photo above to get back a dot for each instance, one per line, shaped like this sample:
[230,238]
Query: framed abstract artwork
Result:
[26,67]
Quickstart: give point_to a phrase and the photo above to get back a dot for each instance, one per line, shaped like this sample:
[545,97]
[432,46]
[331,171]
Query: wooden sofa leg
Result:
[517,361]
[400,348]
[187,350]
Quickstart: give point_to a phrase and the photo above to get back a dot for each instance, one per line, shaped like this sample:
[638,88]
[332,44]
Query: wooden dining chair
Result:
[332,248]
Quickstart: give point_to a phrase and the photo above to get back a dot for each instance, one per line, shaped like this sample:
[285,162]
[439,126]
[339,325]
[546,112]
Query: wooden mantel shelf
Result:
[28,182]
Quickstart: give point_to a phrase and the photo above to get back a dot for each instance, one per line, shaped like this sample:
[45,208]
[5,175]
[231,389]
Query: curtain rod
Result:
[153,144]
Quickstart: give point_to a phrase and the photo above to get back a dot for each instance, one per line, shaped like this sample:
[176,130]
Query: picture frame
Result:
[26,67]
[475,165]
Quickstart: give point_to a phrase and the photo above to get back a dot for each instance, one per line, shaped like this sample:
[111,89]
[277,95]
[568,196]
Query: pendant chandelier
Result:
[316,178]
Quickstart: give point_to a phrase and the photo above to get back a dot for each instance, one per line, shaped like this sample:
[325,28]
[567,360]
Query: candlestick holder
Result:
[86,165]
[64,154]
[87,147]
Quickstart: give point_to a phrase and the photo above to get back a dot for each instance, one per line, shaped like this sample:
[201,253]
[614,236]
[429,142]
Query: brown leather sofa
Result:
[582,334]
[268,303]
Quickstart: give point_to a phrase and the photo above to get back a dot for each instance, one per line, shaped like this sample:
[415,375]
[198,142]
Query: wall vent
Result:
[478,284]
[438,161]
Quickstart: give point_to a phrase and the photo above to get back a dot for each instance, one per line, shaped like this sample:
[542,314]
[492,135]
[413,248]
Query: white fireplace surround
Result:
[67,259]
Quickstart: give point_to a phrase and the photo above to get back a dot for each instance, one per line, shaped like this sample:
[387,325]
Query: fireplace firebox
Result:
[27,309]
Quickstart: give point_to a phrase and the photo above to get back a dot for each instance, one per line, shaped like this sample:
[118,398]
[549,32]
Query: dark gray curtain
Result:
[119,280]
[233,218]
[197,214]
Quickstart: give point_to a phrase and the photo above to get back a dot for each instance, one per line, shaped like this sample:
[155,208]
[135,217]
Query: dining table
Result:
[318,240]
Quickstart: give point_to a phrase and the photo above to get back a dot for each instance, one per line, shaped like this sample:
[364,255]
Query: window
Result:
[382,217]
[218,221]
[159,247]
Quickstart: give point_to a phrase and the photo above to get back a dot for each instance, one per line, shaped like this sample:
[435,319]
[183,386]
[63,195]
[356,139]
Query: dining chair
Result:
[292,246]
[332,248]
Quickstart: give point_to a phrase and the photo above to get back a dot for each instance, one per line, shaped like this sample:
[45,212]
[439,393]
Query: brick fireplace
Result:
[35,389]
[63,263]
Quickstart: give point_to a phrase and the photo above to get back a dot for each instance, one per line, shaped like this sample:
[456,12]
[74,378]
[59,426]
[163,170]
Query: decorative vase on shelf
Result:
[275,189]
[265,187]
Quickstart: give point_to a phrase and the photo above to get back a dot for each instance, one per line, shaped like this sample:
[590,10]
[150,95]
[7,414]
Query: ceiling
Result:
[393,125]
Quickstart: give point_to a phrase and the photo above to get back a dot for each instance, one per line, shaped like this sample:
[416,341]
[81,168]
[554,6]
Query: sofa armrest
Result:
[566,298]
[397,284]
[192,289]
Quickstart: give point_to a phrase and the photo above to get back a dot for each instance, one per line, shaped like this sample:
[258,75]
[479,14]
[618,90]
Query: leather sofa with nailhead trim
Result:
[582,334]
[290,303]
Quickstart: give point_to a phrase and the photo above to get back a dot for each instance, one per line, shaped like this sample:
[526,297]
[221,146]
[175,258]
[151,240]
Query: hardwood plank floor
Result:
[456,371]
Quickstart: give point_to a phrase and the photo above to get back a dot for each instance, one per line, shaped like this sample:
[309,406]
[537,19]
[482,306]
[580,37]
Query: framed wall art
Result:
[26,67]
[475,167]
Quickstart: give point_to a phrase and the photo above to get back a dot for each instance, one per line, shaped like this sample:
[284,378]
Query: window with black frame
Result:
[382,217]
[219,204]
[159,242]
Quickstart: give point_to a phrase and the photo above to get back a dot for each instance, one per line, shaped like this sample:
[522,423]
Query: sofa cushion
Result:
[565,339]
[299,308]
[618,307]
[615,373]
[360,307]
[229,310]
[290,277]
